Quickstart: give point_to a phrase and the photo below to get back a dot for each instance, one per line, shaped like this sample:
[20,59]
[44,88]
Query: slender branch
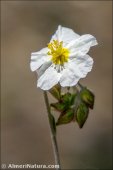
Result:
[53,135]
[81,86]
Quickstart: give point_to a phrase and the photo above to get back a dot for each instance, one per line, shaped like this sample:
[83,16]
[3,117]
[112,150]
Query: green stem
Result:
[81,86]
[53,135]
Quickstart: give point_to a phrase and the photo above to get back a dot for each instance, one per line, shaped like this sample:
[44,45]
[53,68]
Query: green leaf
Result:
[65,117]
[88,97]
[53,124]
[72,99]
[55,91]
[68,99]
[82,114]
[58,106]
[65,97]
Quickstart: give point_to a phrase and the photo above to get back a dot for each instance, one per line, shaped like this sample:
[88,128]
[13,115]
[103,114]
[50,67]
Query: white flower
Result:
[64,60]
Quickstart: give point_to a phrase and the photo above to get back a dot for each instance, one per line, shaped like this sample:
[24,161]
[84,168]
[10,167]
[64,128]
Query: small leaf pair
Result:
[73,106]
[64,106]
[65,102]
[86,102]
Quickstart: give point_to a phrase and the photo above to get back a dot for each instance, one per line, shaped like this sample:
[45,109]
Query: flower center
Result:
[59,54]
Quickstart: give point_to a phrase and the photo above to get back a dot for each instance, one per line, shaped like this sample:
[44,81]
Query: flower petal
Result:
[64,34]
[76,69]
[42,51]
[85,64]
[43,68]
[39,58]
[69,78]
[81,45]
[48,79]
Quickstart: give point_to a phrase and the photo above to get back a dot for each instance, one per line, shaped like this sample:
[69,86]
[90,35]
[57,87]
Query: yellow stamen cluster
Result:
[59,54]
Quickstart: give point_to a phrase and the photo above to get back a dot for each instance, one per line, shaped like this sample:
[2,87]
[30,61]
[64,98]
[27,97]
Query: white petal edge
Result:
[85,64]
[49,79]
[42,51]
[81,45]
[39,58]
[43,68]
[64,34]
[75,70]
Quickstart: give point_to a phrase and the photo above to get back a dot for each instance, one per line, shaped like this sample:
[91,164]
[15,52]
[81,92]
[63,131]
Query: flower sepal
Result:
[88,97]
[56,91]
[74,107]
[65,117]
[82,114]
[66,101]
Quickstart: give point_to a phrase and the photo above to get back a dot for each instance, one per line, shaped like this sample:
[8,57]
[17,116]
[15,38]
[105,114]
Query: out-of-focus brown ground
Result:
[27,26]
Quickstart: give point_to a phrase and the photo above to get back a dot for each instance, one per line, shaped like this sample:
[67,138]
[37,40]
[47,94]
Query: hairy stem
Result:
[52,132]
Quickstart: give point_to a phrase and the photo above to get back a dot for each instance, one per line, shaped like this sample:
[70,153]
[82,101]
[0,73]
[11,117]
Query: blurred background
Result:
[27,26]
